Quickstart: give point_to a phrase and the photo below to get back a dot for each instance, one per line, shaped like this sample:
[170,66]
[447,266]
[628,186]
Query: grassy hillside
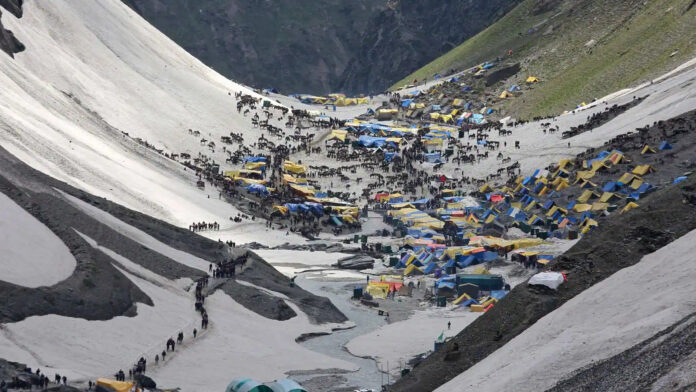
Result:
[632,41]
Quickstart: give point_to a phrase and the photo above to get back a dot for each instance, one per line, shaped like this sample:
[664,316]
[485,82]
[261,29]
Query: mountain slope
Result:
[411,33]
[298,46]
[580,50]
[319,46]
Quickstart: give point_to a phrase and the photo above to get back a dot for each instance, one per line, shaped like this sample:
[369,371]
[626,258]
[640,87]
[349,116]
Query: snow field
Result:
[31,255]
[604,320]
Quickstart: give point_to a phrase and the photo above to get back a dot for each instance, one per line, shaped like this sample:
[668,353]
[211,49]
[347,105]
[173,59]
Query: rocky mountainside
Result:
[298,47]
[406,36]
[8,43]
[579,49]
[319,46]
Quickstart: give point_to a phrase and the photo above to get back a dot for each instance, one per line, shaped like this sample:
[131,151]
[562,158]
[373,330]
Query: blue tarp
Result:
[258,189]
[665,146]
[679,179]
[470,302]
[406,102]
[336,221]
[514,87]
[434,157]
[610,186]
[498,294]
[466,88]
[389,156]
[254,159]
[430,268]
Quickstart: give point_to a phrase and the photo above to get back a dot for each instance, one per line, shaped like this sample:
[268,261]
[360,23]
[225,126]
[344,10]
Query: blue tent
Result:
[665,146]
[498,294]
[679,179]
[470,302]
[488,65]
[454,79]
[610,186]
[466,88]
[434,157]
[406,102]
[389,156]
[430,268]
[257,189]
[254,159]
[514,87]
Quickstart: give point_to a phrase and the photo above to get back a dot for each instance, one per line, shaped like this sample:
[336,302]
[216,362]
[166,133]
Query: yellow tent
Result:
[629,207]
[412,270]
[117,386]
[597,206]
[607,196]
[581,207]
[505,94]
[643,169]
[338,134]
[254,165]
[532,79]
[457,102]
[378,289]
[434,116]
[648,150]
[586,195]
[282,209]
[626,178]
[292,167]
[636,183]
[304,190]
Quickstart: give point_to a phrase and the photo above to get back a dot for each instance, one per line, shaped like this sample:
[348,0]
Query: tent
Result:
[532,79]
[665,146]
[286,385]
[292,167]
[113,385]
[338,134]
[643,169]
[549,279]
[247,385]
[504,94]
[648,150]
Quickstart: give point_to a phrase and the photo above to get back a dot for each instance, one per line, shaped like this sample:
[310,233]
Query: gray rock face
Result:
[8,43]
[316,46]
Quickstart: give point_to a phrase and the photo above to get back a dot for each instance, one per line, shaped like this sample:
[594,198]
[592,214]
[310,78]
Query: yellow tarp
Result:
[461,299]
[457,102]
[412,270]
[643,169]
[346,210]
[636,183]
[305,190]
[290,179]
[338,134]
[598,206]
[532,79]
[648,150]
[249,181]
[626,178]
[586,196]
[292,167]
[254,165]
[378,291]
[504,94]
[242,173]
[117,386]
[629,207]
[282,209]
[581,207]
[388,111]
[606,196]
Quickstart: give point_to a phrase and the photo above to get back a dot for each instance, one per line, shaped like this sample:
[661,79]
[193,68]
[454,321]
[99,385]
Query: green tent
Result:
[246,385]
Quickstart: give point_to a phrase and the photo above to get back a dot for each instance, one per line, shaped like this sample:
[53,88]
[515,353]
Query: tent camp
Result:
[247,385]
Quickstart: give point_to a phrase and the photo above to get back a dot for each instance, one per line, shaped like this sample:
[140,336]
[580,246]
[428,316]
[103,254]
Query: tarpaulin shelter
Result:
[247,385]
[549,279]
[115,386]
[286,385]
[292,167]
[338,134]
[665,146]
[532,79]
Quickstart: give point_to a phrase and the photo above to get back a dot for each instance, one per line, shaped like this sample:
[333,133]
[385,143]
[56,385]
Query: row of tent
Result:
[331,99]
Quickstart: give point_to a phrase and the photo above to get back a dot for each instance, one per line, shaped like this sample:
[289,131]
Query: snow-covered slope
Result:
[606,319]
[32,255]
[94,69]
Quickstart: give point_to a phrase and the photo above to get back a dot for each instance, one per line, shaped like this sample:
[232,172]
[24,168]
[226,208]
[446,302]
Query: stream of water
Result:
[368,376]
